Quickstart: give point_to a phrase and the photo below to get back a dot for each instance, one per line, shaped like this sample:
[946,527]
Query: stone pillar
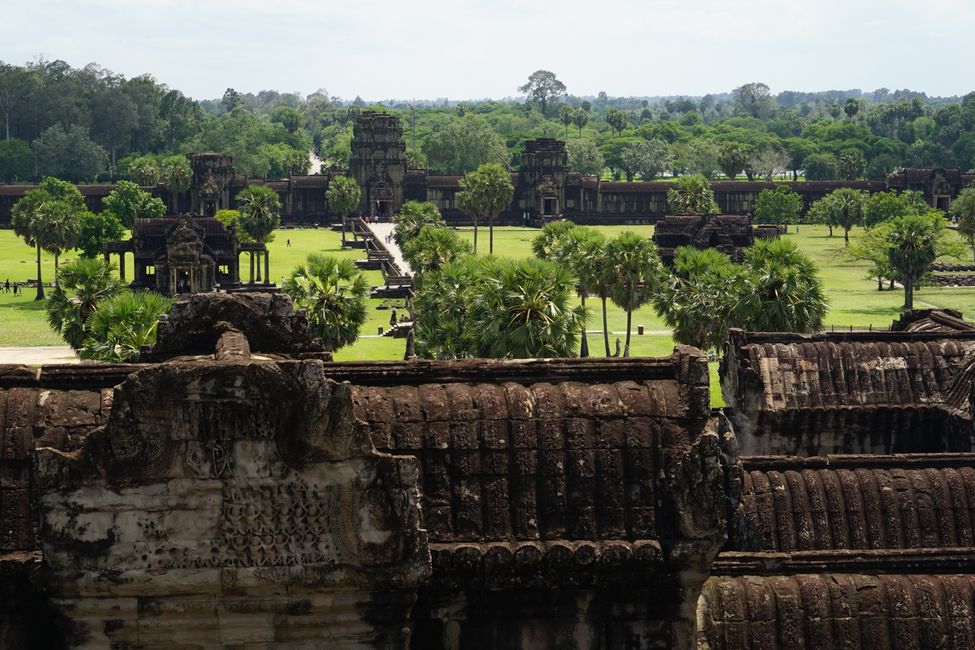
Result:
[267,268]
[121,265]
[108,257]
[251,253]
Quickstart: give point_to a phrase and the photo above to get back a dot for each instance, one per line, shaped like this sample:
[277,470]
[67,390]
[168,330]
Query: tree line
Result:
[92,124]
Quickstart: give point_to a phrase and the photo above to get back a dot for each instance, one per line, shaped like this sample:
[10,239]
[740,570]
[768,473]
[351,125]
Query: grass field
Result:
[854,299]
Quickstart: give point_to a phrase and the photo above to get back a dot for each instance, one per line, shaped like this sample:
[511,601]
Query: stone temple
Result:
[236,489]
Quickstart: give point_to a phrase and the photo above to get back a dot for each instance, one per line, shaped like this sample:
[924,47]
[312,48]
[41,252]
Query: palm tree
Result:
[59,224]
[412,218]
[551,237]
[177,175]
[433,248]
[635,267]
[259,210]
[780,290]
[122,325]
[692,195]
[333,293]
[914,247]
[441,308]
[486,192]
[343,196]
[580,249]
[92,282]
[24,217]
[525,311]
[848,205]
[694,298]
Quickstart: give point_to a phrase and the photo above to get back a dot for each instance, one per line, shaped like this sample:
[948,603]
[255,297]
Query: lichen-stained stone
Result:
[230,504]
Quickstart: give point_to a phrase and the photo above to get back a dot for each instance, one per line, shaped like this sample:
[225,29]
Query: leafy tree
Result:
[26,217]
[732,159]
[542,87]
[768,160]
[68,153]
[580,117]
[82,285]
[121,325]
[649,159]
[16,161]
[412,218]
[851,164]
[964,207]
[585,157]
[486,193]
[754,100]
[780,292]
[333,293]
[343,196]
[780,205]
[845,208]
[433,248]
[260,214]
[851,108]
[821,167]
[695,297]
[129,202]
[692,195]
[634,266]
[463,144]
[873,247]
[96,228]
[703,157]
[883,206]
[177,175]
[144,171]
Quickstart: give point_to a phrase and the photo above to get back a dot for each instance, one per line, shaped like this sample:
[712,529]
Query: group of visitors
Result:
[7,286]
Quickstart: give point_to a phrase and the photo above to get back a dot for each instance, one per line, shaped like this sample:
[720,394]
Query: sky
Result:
[473,49]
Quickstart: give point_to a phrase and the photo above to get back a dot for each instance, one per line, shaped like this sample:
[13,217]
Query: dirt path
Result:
[36,356]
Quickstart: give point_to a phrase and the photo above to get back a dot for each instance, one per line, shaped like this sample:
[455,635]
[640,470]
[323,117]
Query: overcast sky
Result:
[469,49]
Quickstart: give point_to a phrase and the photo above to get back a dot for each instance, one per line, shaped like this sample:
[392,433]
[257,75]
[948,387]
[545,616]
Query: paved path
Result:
[384,230]
[38,355]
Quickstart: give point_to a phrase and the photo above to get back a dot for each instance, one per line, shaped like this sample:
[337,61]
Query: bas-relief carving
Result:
[205,472]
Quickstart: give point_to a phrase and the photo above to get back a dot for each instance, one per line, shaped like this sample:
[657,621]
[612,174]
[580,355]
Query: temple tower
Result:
[541,180]
[210,188]
[378,162]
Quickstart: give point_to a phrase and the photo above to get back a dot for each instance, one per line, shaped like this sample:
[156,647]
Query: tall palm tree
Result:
[486,192]
[551,237]
[634,267]
[120,326]
[177,175]
[412,218]
[343,196]
[433,248]
[260,210]
[780,291]
[694,298]
[333,293]
[913,248]
[581,249]
[24,217]
[525,311]
[58,226]
[82,285]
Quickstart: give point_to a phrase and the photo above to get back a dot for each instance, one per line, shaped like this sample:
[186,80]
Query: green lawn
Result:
[853,298]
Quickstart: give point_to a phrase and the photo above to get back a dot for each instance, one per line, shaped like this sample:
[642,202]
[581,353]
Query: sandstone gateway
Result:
[239,490]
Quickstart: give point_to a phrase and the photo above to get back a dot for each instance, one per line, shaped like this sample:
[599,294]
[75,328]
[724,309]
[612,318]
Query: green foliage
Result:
[780,205]
[176,173]
[16,161]
[851,164]
[259,208]
[231,219]
[82,285]
[821,167]
[484,307]
[914,243]
[542,87]
[732,158]
[551,238]
[843,208]
[882,206]
[585,157]
[964,208]
[69,153]
[780,290]
[96,228]
[695,298]
[462,144]
[873,247]
[617,120]
[343,195]
[413,217]
[691,195]
[144,171]
[634,270]
[333,293]
[485,193]
[649,159]
[433,248]
[129,202]
[121,325]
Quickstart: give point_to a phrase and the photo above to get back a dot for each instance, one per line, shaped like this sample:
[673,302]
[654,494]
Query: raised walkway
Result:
[384,234]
